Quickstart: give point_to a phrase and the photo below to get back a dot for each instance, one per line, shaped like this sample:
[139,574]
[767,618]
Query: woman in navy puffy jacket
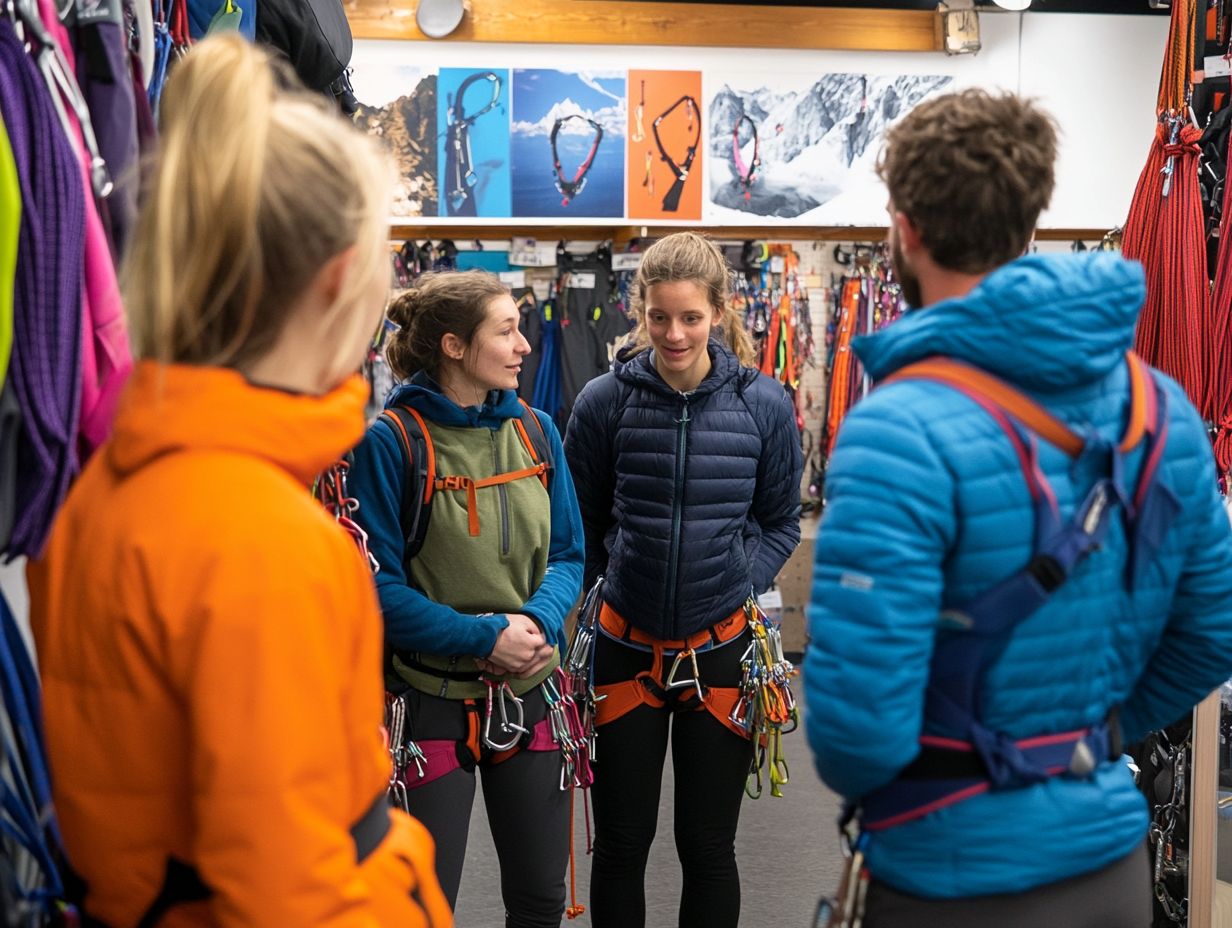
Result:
[687,466]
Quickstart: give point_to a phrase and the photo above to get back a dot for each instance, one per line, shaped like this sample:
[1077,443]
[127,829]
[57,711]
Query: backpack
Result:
[421,480]
[948,770]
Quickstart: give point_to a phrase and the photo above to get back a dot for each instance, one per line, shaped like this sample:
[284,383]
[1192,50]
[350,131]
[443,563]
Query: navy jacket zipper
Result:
[673,558]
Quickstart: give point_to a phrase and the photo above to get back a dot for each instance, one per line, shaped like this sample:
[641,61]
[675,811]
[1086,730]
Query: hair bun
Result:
[404,306]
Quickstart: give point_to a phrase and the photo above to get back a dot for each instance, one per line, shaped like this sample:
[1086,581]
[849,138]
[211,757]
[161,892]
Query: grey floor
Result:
[787,850]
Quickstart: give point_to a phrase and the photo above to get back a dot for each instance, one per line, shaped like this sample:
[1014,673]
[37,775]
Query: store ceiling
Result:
[1133,7]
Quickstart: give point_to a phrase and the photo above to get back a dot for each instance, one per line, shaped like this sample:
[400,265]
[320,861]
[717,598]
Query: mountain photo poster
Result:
[568,144]
[397,104]
[804,147]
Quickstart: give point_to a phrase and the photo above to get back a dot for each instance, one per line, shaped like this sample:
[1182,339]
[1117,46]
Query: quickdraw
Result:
[648,177]
[766,709]
[571,189]
[639,129]
[746,174]
[459,165]
[671,202]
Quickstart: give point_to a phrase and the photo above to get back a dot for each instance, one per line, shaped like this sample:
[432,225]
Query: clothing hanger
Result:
[60,81]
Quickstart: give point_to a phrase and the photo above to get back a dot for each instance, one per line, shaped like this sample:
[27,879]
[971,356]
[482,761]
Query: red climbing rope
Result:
[1165,231]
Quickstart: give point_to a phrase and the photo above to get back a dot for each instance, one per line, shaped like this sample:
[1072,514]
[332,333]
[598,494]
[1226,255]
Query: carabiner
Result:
[696,682]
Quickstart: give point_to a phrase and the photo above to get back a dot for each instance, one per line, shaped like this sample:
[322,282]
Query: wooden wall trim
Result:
[606,22]
[623,233]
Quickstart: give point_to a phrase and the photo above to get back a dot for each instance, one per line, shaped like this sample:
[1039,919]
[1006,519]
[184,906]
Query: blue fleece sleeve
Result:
[588,448]
[1195,653]
[877,586]
[562,582]
[413,622]
[776,499]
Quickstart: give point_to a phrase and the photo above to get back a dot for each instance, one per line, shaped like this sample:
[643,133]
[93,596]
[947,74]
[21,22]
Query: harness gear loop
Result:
[671,201]
[459,165]
[571,189]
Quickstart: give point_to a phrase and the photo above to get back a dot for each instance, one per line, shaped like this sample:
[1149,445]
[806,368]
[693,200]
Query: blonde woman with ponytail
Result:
[687,466]
[209,640]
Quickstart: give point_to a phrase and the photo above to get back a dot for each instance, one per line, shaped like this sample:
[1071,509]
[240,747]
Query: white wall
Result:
[1097,74]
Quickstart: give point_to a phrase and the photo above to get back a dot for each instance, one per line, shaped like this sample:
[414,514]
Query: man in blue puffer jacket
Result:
[928,508]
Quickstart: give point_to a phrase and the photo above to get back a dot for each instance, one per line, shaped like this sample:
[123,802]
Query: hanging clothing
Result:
[210,672]
[46,362]
[105,358]
[10,229]
[104,74]
[582,356]
[10,433]
[530,324]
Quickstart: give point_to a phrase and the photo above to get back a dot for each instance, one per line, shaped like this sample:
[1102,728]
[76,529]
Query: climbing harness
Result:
[639,115]
[970,758]
[746,174]
[459,165]
[671,201]
[571,189]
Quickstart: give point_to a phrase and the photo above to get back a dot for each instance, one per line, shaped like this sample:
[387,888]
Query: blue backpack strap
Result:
[950,769]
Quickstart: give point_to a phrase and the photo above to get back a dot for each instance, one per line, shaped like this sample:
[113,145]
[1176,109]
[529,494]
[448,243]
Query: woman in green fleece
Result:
[475,604]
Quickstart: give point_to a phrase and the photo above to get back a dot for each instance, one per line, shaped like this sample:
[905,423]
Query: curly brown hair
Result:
[972,171]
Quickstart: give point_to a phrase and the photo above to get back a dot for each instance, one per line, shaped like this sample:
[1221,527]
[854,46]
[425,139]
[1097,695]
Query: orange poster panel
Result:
[665,145]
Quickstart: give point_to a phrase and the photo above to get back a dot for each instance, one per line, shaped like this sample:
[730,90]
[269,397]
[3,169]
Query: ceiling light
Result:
[1016,5]
[437,18]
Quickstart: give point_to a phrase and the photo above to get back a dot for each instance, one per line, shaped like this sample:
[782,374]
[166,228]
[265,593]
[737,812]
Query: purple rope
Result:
[47,323]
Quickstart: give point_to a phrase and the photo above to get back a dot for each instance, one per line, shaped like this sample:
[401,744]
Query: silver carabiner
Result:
[696,682]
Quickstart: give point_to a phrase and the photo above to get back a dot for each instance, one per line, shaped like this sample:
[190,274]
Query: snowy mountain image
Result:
[812,144]
[611,118]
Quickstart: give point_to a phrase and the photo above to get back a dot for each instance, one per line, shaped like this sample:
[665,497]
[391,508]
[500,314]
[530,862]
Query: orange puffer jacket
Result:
[210,648]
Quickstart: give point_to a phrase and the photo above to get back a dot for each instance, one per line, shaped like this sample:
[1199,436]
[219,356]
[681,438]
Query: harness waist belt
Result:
[948,770]
[721,632]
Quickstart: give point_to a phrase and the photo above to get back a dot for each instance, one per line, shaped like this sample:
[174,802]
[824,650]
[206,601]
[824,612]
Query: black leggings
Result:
[710,764]
[527,812]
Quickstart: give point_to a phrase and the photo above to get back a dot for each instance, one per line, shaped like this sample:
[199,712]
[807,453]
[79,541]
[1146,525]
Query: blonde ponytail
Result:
[259,183]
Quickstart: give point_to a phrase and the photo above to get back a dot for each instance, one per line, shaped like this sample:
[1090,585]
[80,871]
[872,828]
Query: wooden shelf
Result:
[622,234]
[605,22]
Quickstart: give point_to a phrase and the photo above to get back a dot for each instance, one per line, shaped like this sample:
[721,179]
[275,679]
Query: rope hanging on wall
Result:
[1165,231]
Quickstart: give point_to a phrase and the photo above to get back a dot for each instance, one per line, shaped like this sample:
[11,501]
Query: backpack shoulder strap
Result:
[995,396]
[533,436]
[419,482]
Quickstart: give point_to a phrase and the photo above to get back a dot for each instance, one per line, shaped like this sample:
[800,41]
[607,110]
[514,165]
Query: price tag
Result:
[771,600]
[777,264]
[1217,66]
[542,289]
[581,280]
[630,261]
[513,279]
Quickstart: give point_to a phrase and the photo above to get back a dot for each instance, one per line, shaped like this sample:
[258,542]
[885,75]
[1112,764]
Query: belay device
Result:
[746,174]
[570,189]
[459,167]
[671,201]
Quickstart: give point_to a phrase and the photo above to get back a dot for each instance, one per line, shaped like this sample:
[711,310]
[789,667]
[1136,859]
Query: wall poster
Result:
[398,105]
[665,145]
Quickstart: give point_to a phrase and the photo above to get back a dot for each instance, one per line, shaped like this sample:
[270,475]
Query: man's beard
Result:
[906,278]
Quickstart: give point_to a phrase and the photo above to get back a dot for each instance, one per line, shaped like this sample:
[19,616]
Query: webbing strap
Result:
[470,485]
